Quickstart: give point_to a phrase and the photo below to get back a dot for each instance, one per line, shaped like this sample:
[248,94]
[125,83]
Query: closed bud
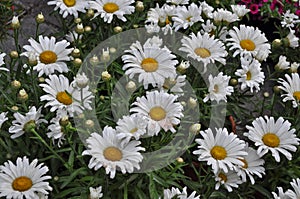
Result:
[87,29]
[41,79]
[90,13]
[233,82]
[139,6]
[294,67]
[40,18]
[64,121]
[135,26]
[195,128]
[276,89]
[15,23]
[77,62]
[79,28]
[14,54]
[112,50]
[276,43]
[130,86]
[102,98]
[77,20]
[55,178]
[105,76]
[183,66]
[105,57]
[180,160]
[15,108]
[192,103]
[266,94]
[89,123]
[15,84]
[29,126]
[32,59]
[76,53]
[22,95]
[118,29]
[94,60]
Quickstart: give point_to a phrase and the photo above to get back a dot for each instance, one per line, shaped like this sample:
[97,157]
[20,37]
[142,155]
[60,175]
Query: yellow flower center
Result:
[157,113]
[189,19]
[296,95]
[22,183]
[110,7]
[48,57]
[271,140]
[133,130]
[223,177]
[112,153]
[216,88]
[218,152]
[168,21]
[248,75]
[149,64]
[69,3]
[202,52]
[247,44]
[245,166]
[64,98]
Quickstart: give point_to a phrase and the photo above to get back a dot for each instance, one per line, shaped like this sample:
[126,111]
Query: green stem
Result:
[50,149]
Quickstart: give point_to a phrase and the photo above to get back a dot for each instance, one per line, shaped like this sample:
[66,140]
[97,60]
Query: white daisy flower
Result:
[24,179]
[274,136]
[207,9]
[252,165]
[292,88]
[25,123]
[296,186]
[248,38]
[176,193]
[218,88]
[107,9]
[64,96]
[160,109]
[250,75]
[131,126]
[221,151]
[208,27]
[204,48]
[281,194]
[282,64]
[228,180]
[291,39]
[161,18]
[174,85]
[152,63]
[108,151]
[56,128]
[178,2]
[73,36]
[3,118]
[51,55]
[95,193]
[2,55]
[240,10]
[186,17]
[69,7]
[223,15]
[289,19]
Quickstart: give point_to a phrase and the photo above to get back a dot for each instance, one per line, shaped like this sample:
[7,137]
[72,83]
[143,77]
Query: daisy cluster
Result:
[219,54]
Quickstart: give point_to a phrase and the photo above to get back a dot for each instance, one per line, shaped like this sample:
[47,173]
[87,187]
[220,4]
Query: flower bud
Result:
[233,82]
[195,128]
[135,26]
[77,20]
[94,60]
[87,29]
[112,50]
[64,121]
[79,28]
[41,79]
[139,6]
[102,98]
[130,86]
[81,80]
[294,67]
[276,89]
[266,94]
[15,108]
[105,76]
[105,57]
[89,123]
[14,54]
[192,103]
[40,18]
[180,160]
[29,126]
[32,59]
[90,13]
[15,23]
[276,43]
[15,84]
[77,62]
[22,95]
[118,29]
[183,66]
[76,53]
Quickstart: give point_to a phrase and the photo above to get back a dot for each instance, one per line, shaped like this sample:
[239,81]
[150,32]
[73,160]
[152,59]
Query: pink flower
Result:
[277,4]
[246,1]
[254,8]
[297,12]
